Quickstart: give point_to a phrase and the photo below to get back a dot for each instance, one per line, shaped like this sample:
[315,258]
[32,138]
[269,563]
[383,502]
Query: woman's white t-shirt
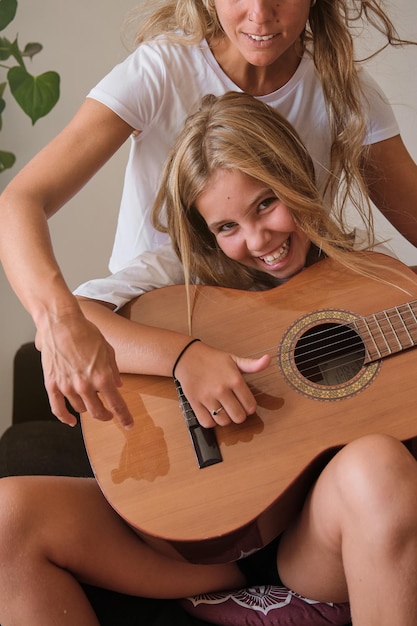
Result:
[160,84]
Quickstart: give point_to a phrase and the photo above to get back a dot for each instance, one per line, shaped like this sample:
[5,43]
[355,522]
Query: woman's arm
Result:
[210,378]
[391,176]
[56,174]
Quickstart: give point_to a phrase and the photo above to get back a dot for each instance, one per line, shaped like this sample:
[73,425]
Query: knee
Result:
[377,480]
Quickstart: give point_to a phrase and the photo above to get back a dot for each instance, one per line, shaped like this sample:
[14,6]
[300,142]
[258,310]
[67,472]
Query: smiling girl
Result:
[259,230]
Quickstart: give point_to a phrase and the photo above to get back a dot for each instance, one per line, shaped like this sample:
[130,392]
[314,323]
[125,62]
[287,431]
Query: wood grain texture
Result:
[149,474]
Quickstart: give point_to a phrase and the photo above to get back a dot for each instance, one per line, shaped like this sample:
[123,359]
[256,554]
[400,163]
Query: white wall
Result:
[81,41]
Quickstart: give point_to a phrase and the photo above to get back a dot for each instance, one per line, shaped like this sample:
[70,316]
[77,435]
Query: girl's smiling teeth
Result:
[279,255]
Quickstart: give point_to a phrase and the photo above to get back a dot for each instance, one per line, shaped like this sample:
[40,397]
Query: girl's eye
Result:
[265,204]
[224,228]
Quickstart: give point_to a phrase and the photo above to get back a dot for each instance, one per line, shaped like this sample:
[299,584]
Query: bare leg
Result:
[56,531]
[357,535]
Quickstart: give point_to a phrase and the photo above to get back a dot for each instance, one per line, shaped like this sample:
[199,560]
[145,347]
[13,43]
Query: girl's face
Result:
[252,225]
[262,31]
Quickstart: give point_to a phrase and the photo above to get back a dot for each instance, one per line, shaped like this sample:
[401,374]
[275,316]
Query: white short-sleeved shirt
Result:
[150,270]
[160,84]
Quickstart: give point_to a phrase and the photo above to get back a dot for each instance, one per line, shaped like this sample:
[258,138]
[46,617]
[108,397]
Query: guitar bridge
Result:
[204,440]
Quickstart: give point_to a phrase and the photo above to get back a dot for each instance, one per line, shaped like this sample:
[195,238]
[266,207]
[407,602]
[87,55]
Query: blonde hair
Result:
[328,38]
[240,133]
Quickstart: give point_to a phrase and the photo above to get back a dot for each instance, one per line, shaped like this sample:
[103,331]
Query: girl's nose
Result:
[257,239]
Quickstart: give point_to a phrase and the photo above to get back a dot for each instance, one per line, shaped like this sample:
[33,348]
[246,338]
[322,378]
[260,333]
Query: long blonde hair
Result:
[328,38]
[240,133]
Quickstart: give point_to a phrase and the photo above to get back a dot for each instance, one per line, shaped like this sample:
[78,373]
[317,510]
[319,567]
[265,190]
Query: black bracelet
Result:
[190,343]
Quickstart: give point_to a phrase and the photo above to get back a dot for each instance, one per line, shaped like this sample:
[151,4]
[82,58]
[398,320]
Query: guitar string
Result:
[346,335]
[343,332]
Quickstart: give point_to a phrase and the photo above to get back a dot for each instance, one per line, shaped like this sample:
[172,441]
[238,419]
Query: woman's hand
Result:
[79,365]
[212,381]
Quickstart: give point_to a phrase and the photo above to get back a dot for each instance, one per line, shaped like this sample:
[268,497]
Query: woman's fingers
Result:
[80,366]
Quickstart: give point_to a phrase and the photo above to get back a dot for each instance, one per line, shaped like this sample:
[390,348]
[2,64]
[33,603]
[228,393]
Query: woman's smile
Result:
[261,37]
[262,42]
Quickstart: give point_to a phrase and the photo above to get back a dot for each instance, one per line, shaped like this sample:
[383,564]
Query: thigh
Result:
[309,557]
[68,521]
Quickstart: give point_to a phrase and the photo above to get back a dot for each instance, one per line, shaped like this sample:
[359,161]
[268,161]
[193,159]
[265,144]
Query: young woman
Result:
[242,209]
[295,55]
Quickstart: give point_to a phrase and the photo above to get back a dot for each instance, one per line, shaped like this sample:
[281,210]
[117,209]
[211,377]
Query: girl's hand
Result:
[78,365]
[211,379]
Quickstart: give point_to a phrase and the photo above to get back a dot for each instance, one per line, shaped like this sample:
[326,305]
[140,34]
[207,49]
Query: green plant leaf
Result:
[36,95]
[6,48]
[7,160]
[9,49]
[31,49]
[15,51]
[8,10]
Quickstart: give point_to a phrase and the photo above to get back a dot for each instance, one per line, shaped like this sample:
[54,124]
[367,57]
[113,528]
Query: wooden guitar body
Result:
[149,473]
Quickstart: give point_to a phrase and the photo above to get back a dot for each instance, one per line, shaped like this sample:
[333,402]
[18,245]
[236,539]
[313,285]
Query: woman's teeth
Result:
[261,38]
[271,259]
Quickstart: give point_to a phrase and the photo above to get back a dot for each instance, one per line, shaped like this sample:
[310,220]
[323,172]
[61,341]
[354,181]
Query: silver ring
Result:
[217,411]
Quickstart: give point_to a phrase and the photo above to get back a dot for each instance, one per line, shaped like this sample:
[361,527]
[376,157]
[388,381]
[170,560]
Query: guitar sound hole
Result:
[329,354]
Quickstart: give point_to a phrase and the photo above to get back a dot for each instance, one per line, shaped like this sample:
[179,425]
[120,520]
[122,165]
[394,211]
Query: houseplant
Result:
[35,95]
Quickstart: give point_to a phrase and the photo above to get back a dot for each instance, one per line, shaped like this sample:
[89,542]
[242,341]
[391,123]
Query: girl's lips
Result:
[279,255]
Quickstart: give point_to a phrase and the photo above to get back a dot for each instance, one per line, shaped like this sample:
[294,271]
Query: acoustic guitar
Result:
[342,367]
